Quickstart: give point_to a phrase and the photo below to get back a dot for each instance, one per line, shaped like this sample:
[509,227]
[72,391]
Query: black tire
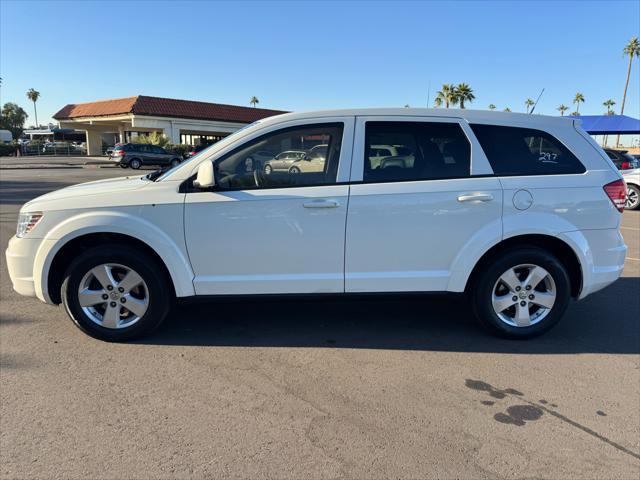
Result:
[631,191]
[123,165]
[483,285]
[159,291]
[135,163]
[175,162]
[294,170]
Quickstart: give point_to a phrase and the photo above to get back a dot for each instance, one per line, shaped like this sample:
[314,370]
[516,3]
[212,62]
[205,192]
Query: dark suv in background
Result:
[135,155]
[622,159]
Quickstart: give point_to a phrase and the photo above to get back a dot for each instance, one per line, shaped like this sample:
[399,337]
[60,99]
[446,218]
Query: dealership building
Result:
[182,121]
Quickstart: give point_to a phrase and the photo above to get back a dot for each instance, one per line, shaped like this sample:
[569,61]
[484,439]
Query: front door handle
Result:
[321,203]
[475,197]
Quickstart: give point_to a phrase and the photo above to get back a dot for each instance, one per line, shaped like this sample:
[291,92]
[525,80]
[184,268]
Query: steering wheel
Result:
[256,178]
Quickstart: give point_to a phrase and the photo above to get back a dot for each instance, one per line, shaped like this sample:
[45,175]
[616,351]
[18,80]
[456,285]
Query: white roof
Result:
[479,116]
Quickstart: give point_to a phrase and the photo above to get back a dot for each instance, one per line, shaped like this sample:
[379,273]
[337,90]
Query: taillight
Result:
[119,152]
[617,193]
[625,166]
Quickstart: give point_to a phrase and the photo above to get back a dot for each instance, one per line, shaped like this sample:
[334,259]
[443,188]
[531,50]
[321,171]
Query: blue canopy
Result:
[609,124]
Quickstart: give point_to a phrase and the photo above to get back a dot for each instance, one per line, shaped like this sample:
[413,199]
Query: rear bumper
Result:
[601,254]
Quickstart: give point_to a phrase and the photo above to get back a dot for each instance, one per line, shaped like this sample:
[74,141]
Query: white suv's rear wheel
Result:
[521,293]
[113,294]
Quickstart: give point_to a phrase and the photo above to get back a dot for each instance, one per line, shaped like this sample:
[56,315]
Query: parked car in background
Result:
[135,155]
[377,153]
[622,159]
[632,179]
[530,223]
[314,161]
[195,150]
[283,161]
[6,136]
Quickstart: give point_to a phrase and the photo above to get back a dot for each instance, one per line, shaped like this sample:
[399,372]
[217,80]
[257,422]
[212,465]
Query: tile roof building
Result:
[182,121]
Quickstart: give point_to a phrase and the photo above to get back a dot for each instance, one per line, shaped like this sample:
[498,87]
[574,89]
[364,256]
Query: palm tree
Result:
[254,101]
[575,114]
[34,95]
[464,93]
[578,99]
[609,103]
[633,50]
[506,109]
[529,103]
[447,96]
[492,106]
[562,108]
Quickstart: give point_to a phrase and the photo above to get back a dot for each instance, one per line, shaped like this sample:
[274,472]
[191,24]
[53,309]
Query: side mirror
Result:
[205,177]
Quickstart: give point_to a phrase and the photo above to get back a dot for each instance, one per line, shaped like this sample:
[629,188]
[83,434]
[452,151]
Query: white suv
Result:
[520,212]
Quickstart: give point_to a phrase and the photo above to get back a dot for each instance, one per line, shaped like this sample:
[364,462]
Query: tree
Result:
[577,100]
[575,114]
[506,109]
[254,101]
[34,95]
[13,118]
[529,103]
[463,93]
[609,103]
[562,108]
[447,96]
[492,106]
[632,49]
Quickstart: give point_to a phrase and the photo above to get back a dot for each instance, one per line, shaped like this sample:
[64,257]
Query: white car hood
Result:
[74,193]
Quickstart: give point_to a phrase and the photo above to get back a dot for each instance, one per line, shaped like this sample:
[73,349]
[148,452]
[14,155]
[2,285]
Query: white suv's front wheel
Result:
[114,294]
[521,293]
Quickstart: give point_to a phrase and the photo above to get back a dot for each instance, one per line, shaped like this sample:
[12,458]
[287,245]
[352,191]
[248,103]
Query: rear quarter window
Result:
[525,151]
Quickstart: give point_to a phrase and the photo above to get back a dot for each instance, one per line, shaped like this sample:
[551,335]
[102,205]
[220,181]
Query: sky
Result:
[317,55]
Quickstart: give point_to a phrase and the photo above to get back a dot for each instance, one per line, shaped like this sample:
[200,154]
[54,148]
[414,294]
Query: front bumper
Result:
[20,255]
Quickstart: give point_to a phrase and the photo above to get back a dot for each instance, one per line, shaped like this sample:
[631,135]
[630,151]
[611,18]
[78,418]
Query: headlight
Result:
[27,222]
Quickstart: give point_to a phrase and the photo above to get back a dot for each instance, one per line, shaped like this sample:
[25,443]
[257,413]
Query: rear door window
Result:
[411,151]
[524,151]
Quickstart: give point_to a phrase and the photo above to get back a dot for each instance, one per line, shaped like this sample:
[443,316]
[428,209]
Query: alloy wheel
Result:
[632,198]
[524,295]
[113,296]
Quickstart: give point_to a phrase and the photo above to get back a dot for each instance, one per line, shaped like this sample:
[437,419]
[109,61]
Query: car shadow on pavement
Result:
[606,322]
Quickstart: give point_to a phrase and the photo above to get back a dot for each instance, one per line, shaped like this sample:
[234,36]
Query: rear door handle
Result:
[475,197]
[321,203]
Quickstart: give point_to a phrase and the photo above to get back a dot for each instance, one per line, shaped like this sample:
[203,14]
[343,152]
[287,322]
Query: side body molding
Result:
[171,251]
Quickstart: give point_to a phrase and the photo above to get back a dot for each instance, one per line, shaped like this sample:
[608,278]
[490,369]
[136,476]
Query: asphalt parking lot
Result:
[403,388]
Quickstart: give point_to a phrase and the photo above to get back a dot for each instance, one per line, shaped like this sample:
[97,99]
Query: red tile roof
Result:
[165,107]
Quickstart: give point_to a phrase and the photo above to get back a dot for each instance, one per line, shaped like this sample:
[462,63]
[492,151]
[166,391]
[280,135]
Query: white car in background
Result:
[632,179]
[521,213]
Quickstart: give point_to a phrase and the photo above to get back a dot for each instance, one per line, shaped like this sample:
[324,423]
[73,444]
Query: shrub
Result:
[179,149]
[154,138]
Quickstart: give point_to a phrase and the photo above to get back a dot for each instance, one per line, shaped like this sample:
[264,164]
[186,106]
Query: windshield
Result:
[207,151]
